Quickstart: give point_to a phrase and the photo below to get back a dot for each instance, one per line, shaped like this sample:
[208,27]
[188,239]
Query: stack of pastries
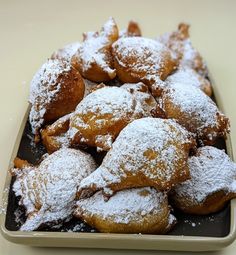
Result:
[146,105]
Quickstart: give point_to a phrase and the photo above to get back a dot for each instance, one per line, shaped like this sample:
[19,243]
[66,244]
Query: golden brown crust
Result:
[211,204]
[101,116]
[191,108]
[138,59]
[93,59]
[147,211]
[52,132]
[56,89]
[179,42]
[151,152]
[70,94]
[133,29]
[212,182]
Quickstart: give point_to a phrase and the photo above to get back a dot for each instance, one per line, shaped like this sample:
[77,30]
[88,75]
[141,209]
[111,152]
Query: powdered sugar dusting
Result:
[191,58]
[106,100]
[125,206]
[43,89]
[149,56]
[48,192]
[188,76]
[142,96]
[67,52]
[105,107]
[202,111]
[135,152]
[211,170]
[95,49]
[182,49]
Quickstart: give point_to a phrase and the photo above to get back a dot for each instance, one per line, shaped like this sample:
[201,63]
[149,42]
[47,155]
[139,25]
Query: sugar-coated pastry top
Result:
[190,77]
[149,149]
[44,86]
[182,49]
[102,114]
[195,110]
[55,90]
[67,52]
[126,206]
[48,191]
[141,93]
[143,136]
[146,57]
[211,171]
[93,58]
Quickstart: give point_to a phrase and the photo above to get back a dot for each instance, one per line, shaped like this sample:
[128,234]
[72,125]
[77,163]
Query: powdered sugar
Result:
[199,110]
[211,170]
[188,76]
[43,89]
[143,97]
[125,206]
[67,52]
[48,192]
[191,58]
[104,108]
[146,146]
[107,100]
[182,49]
[141,55]
[95,49]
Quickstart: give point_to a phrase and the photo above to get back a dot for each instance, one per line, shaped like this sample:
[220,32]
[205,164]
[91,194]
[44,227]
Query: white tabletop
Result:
[32,30]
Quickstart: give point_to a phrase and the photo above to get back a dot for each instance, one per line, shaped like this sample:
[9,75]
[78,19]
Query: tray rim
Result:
[116,241]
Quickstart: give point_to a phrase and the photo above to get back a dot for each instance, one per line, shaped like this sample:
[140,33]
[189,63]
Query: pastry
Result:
[48,191]
[143,96]
[180,45]
[212,183]
[55,136]
[101,115]
[133,29]
[190,77]
[148,152]
[55,90]
[141,210]
[141,59]
[67,52]
[194,110]
[93,58]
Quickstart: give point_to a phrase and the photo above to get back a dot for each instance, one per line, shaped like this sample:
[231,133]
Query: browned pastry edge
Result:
[213,203]
[71,93]
[50,133]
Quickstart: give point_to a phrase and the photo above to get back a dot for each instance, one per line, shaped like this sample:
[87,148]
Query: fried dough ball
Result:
[133,29]
[55,90]
[93,58]
[143,96]
[67,52]
[180,45]
[190,77]
[148,152]
[141,59]
[101,115]
[48,191]
[55,136]
[142,210]
[194,110]
[212,183]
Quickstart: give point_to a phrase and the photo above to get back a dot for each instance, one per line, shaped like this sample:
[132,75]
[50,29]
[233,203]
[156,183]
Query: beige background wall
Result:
[31,30]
